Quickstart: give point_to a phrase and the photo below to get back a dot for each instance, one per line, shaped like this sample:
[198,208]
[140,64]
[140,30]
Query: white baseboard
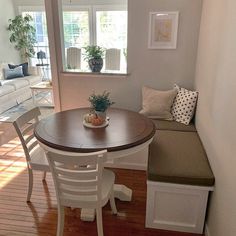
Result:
[207,232]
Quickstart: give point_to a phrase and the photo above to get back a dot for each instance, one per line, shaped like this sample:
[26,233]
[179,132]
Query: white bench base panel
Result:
[176,207]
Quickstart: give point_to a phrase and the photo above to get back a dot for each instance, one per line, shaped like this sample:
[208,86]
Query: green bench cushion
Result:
[173,125]
[179,157]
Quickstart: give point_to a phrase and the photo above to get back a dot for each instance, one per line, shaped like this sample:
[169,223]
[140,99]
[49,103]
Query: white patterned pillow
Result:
[184,105]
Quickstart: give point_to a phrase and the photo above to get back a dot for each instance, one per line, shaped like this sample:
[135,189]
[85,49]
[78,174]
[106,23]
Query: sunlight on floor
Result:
[13,173]
[4,118]
[10,146]
[9,168]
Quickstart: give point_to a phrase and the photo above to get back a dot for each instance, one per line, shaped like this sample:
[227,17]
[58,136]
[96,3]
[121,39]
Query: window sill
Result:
[94,74]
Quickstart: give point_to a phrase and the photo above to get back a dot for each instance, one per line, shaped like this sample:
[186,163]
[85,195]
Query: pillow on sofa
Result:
[184,105]
[24,67]
[13,73]
[157,104]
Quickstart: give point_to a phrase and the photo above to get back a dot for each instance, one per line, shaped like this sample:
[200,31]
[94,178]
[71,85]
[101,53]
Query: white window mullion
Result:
[92,29]
[60,13]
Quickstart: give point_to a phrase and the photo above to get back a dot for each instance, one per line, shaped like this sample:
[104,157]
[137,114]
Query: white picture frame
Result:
[163,30]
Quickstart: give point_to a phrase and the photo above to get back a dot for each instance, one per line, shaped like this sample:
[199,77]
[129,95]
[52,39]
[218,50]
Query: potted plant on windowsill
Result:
[100,103]
[94,55]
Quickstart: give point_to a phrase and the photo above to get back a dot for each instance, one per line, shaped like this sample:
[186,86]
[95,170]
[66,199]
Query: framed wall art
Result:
[163,30]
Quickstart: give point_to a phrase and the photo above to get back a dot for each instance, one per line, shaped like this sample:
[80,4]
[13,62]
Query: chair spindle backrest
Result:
[112,59]
[77,175]
[24,126]
[73,58]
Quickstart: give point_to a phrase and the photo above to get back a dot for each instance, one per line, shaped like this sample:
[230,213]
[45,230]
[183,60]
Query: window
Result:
[111,32]
[111,29]
[40,25]
[101,25]
[76,28]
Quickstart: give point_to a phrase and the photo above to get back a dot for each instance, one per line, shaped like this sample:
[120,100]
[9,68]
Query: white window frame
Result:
[92,26]
[92,22]
[92,16]
[96,8]
[80,8]
[36,8]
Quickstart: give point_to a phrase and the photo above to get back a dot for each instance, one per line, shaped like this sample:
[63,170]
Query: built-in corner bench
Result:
[179,179]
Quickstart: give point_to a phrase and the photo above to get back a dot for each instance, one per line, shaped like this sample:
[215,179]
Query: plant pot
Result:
[95,64]
[101,114]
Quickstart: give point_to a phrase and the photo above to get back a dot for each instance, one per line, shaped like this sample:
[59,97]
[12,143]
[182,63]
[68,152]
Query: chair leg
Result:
[44,175]
[60,220]
[113,203]
[30,186]
[99,221]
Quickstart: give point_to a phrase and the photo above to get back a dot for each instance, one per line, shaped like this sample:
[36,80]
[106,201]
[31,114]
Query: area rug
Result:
[16,111]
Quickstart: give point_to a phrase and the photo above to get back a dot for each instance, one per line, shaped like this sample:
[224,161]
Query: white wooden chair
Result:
[35,155]
[81,182]
[73,58]
[112,59]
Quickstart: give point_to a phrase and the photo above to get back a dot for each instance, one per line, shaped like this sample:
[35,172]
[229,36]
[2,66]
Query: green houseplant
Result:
[22,34]
[94,55]
[100,103]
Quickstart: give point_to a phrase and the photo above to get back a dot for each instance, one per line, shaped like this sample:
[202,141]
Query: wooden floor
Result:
[40,216]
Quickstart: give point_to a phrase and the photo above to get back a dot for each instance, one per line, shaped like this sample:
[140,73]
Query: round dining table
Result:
[126,133]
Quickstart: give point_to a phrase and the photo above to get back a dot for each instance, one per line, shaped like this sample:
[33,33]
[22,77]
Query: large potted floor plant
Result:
[22,34]
[94,55]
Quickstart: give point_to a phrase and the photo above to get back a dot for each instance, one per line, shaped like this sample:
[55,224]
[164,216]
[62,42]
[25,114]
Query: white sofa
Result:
[15,91]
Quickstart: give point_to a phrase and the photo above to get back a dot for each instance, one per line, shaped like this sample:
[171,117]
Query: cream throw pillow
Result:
[157,104]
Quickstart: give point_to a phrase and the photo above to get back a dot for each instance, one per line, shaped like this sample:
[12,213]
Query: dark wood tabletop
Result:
[65,131]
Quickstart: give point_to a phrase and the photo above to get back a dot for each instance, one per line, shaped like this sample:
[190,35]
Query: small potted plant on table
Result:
[99,105]
[94,55]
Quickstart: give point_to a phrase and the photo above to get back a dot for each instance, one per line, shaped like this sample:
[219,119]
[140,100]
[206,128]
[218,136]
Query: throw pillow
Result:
[184,105]
[157,104]
[13,73]
[24,67]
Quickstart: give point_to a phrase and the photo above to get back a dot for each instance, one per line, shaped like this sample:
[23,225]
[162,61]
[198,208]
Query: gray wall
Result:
[216,112]
[7,51]
[156,68]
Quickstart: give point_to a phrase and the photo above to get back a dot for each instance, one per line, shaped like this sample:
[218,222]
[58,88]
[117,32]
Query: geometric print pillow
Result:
[183,107]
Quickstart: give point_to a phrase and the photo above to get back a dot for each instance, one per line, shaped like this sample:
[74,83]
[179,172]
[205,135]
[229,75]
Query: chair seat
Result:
[108,180]
[39,160]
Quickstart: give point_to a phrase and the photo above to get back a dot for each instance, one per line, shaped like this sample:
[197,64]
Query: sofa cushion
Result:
[6,89]
[32,79]
[17,83]
[179,157]
[35,70]
[2,66]
[173,125]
